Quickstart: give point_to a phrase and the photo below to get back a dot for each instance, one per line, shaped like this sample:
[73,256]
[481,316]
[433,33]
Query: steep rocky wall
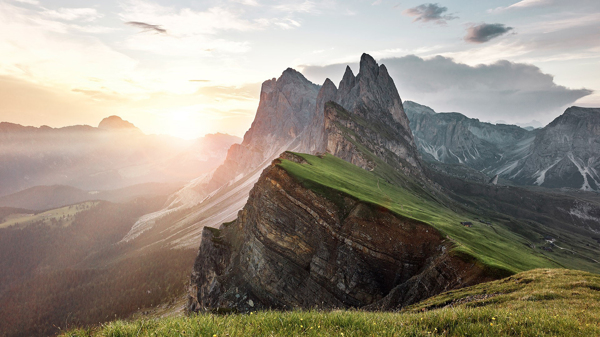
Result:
[367,113]
[565,153]
[293,248]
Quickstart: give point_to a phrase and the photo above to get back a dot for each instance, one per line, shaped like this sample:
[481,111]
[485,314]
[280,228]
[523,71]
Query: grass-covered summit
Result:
[496,245]
[541,302]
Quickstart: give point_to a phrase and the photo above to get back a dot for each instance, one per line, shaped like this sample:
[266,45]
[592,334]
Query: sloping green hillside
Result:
[495,245]
[541,302]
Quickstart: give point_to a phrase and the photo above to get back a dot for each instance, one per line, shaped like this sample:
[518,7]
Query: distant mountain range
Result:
[114,155]
[565,153]
[360,221]
[40,198]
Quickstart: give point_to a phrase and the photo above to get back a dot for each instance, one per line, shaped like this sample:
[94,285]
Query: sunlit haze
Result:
[186,68]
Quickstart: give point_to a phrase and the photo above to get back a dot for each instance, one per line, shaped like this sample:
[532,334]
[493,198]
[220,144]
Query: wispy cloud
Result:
[585,6]
[524,4]
[252,3]
[485,32]
[298,7]
[430,12]
[29,2]
[146,27]
[71,14]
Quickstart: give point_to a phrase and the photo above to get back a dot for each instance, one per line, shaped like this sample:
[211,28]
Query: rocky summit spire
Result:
[347,82]
[368,66]
[314,139]
[373,115]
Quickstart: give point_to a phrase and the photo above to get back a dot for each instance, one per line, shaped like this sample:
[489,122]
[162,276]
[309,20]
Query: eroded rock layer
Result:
[291,247]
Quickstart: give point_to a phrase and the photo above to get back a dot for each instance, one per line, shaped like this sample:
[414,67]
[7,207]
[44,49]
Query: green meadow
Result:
[495,246]
[541,302]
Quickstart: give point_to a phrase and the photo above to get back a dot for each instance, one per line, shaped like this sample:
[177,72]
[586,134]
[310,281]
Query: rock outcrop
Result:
[365,112]
[296,115]
[293,248]
[565,153]
[453,138]
[287,106]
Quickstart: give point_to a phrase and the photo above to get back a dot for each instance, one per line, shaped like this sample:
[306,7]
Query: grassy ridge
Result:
[60,217]
[542,302]
[496,246]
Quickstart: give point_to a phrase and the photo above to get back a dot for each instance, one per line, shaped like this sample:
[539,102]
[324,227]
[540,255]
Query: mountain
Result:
[369,107]
[302,243]
[286,108]
[116,123]
[65,267]
[562,154]
[40,198]
[364,223]
[565,153]
[365,113]
[453,138]
[114,155]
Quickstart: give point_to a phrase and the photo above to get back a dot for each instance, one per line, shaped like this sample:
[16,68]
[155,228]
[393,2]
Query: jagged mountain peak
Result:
[347,81]
[416,108]
[368,65]
[576,112]
[291,75]
[328,83]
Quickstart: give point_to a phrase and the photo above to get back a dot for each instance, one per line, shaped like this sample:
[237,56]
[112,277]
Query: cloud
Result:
[486,31]
[39,49]
[146,27]
[430,12]
[515,92]
[29,2]
[252,3]
[564,38]
[46,105]
[249,91]
[298,7]
[583,6]
[71,14]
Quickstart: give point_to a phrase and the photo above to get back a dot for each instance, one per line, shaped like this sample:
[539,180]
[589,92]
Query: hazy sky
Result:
[188,67]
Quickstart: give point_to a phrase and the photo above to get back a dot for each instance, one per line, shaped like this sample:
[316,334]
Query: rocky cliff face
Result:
[294,115]
[453,138]
[287,106]
[367,112]
[293,248]
[565,153]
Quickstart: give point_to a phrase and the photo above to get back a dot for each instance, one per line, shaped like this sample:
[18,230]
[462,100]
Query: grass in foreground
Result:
[541,302]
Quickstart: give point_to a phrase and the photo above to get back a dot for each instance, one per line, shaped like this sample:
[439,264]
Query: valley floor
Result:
[541,302]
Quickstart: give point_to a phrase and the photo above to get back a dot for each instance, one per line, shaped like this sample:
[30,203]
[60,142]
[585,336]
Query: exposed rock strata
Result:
[293,248]
[566,153]
[369,113]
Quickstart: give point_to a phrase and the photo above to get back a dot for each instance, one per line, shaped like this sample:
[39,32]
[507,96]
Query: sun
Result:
[186,124]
